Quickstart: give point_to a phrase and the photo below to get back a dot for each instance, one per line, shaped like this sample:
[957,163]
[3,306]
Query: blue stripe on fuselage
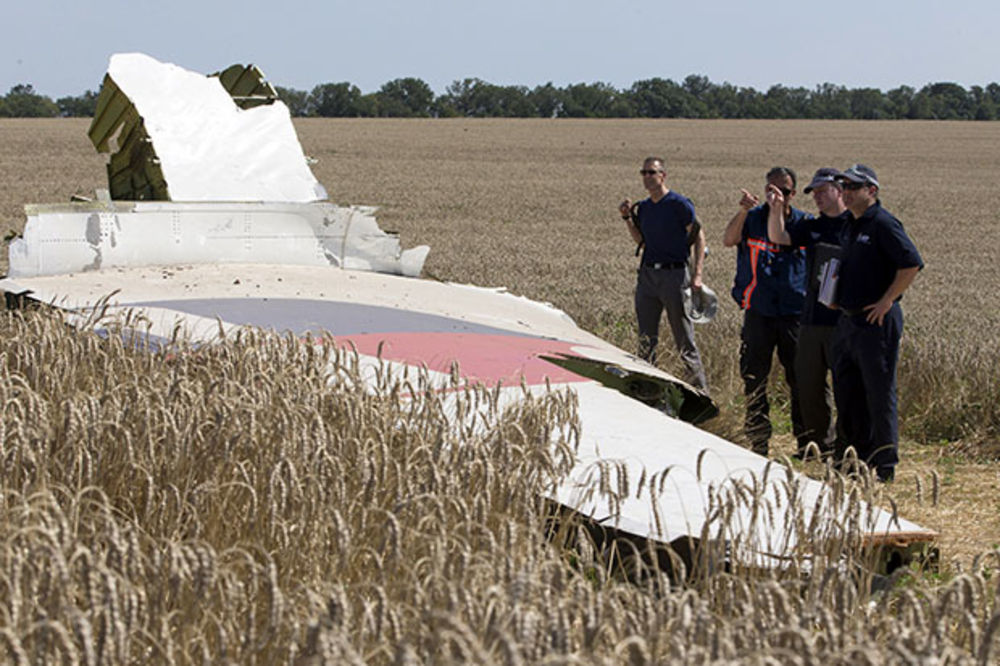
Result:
[309,315]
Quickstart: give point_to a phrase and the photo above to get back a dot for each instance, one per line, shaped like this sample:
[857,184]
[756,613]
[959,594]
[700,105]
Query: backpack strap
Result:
[633,214]
[695,228]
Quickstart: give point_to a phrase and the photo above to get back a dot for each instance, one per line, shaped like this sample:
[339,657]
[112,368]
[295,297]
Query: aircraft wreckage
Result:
[215,221]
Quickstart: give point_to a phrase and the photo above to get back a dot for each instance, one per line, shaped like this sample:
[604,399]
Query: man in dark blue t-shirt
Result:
[813,354]
[666,221]
[878,263]
[770,287]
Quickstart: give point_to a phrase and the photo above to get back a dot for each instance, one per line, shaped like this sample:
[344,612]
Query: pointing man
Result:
[813,354]
[770,287]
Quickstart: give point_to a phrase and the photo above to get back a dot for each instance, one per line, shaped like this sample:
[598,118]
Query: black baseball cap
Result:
[860,173]
[822,175]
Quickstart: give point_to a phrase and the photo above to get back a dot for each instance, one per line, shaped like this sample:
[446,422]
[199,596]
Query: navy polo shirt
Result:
[808,233]
[874,247]
[664,226]
[770,278]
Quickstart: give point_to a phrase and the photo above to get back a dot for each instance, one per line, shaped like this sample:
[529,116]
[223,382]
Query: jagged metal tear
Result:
[79,237]
[178,135]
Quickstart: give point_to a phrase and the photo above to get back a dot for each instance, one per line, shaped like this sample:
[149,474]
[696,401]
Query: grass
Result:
[157,510]
[531,205]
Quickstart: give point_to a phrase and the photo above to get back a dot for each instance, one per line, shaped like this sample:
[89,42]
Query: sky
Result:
[62,47]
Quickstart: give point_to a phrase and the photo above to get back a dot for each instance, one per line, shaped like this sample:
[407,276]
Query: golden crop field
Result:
[155,510]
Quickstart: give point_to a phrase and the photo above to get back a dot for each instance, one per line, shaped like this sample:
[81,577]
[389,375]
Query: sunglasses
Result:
[852,186]
[785,191]
[649,172]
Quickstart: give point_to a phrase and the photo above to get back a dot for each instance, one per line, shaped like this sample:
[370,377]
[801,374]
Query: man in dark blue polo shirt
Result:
[813,354]
[878,263]
[770,287]
[665,223]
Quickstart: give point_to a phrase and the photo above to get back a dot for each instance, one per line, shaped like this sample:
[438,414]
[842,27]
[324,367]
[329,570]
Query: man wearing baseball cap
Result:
[878,263]
[813,354]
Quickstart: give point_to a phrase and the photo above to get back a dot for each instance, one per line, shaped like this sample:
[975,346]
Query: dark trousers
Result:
[657,290]
[864,385]
[813,361]
[760,337]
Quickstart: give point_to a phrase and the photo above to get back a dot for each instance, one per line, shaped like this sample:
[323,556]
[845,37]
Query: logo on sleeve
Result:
[864,238]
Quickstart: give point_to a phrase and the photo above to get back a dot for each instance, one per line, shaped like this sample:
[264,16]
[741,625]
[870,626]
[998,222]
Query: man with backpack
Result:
[666,228]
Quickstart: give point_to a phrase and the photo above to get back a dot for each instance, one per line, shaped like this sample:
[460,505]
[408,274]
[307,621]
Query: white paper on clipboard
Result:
[827,272]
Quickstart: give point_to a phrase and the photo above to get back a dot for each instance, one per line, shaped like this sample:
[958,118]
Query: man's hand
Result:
[748,200]
[904,277]
[625,208]
[877,311]
[733,233]
[775,199]
[696,283]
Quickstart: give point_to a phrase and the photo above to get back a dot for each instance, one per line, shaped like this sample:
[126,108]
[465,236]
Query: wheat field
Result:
[230,505]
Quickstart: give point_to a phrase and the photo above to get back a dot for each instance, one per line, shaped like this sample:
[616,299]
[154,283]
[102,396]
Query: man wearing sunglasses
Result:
[667,230]
[813,354]
[878,263]
[770,288]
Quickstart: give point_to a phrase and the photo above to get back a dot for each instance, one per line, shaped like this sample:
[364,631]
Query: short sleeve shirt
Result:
[809,233]
[873,248]
[664,226]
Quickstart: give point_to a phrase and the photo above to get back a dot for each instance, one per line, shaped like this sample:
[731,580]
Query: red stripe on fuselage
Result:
[482,358]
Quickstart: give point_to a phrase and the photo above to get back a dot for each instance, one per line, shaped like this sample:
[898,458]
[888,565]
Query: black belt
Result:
[659,265]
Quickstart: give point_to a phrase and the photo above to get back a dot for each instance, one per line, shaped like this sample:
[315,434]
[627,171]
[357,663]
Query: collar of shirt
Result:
[869,213]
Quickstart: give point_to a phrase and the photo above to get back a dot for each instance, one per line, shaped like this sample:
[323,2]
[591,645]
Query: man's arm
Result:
[636,234]
[698,263]
[625,209]
[734,230]
[904,278]
[776,217]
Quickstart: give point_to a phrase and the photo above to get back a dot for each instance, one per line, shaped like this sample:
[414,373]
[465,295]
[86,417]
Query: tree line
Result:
[694,97]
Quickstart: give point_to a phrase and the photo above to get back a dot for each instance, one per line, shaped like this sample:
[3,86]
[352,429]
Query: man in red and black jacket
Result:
[770,287]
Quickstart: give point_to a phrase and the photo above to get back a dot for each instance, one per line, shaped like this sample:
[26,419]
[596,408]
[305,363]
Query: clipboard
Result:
[827,271]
